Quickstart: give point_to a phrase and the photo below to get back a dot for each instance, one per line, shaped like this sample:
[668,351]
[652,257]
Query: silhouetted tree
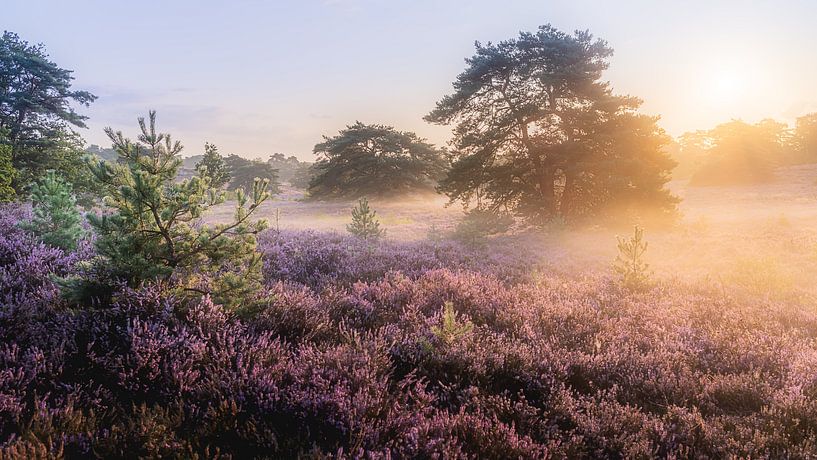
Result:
[212,165]
[35,98]
[538,132]
[243,173]
[302,175]
[290,169]
[374,160]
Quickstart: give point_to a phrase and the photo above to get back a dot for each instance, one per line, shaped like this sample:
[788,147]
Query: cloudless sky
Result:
[258,77]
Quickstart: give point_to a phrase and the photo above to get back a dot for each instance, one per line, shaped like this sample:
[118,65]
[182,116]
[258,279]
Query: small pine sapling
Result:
[629,263]
[56,220]
[155,230]
[451,329]
[365,224]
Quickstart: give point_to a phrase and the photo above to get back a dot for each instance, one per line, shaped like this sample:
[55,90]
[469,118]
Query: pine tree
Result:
[364,221]
[56,220]
[451,329]
[155,230]
[629,263]
[7,174]
[477,224]
[213,166]
[374,160]
[243,173]
[540,133]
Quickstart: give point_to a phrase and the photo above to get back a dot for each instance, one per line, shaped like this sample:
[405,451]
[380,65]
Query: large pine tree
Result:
[36,112]
[538,132]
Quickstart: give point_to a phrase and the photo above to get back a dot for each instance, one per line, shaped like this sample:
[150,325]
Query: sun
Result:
[727,85]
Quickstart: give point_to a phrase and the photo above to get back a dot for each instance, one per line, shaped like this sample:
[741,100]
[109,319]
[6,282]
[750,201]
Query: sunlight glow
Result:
[728,85]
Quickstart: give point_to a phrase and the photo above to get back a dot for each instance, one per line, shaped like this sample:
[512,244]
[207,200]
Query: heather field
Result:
[382,230]
[418,347]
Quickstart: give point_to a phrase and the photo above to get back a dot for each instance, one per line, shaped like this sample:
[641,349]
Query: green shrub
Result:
[364,222]
[478,224]
[56,220]
[629,263]
[7,174]
[450,328]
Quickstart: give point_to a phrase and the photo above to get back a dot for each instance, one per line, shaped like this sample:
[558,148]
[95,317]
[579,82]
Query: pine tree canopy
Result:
[56,219]
[244,172]
[35,109]
[539,133]
[213,166]
[374,160]
[155,230]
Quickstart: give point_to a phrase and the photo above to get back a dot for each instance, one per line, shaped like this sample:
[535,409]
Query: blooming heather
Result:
[341,359]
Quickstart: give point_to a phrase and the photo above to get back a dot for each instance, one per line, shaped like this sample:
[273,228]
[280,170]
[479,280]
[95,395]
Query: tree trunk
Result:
[547,191]
[566,201]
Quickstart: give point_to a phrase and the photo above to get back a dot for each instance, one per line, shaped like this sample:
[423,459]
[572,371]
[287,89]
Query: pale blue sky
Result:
[257,77]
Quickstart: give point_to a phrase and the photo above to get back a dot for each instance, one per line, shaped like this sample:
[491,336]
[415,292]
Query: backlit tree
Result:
[538,132]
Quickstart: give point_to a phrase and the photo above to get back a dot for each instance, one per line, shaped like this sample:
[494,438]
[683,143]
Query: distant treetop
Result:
[374,160]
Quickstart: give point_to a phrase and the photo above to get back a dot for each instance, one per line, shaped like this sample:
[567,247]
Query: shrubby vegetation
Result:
[431,352]
[56,221]
[478,224]
[7,173]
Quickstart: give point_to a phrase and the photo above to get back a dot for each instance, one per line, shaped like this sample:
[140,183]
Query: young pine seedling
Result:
[451,329]
[365,224]
[629,264]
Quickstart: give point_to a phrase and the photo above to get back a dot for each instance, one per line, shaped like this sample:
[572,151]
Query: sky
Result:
[259,77]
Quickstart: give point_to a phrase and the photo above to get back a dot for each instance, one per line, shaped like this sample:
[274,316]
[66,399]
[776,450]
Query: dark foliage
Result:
[539,133]
[374,160]
[291,170]
[213,166]
[243,173]
[36,112]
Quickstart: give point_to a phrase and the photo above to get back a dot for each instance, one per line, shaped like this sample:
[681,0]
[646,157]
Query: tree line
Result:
[537,134]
